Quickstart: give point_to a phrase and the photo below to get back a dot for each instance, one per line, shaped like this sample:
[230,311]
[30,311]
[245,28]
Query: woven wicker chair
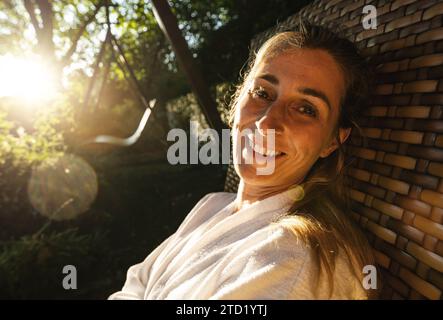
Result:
[397,180]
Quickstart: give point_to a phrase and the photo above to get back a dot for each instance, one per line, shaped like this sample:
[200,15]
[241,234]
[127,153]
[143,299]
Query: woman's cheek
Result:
[250,111]
[305,144]
[302,135]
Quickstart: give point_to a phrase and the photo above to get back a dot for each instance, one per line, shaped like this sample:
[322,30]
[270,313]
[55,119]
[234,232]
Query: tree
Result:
[218,33]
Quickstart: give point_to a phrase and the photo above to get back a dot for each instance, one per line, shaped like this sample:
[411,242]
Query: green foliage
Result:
[28,138]
[185,108]
[35,136]
[32,266]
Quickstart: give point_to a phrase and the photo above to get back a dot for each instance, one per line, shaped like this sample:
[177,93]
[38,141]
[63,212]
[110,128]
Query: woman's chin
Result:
[254,173]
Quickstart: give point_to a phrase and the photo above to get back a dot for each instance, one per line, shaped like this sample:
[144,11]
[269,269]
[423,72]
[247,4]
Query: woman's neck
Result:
[248,194]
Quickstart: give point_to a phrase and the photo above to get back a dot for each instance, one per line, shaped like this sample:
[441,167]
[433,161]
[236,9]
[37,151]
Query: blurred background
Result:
[72,70]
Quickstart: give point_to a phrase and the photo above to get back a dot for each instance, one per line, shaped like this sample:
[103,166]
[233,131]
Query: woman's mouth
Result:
[267,153]
[264,153]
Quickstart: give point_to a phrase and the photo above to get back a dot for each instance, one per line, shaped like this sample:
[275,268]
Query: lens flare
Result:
[296,192]
[62,188]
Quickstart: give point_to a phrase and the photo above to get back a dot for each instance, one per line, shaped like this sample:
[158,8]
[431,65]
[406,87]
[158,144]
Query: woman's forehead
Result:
[308,68]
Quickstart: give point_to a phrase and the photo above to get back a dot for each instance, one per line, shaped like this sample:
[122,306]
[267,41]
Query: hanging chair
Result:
[115,48]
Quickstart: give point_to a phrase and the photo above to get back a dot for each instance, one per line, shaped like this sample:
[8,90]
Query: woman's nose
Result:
[271,119]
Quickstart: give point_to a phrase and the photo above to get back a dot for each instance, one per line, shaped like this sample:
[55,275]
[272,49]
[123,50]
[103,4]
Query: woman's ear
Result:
[343,133]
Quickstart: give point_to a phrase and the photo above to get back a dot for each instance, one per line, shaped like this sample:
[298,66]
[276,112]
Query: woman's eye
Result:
[260,92]
[308,110]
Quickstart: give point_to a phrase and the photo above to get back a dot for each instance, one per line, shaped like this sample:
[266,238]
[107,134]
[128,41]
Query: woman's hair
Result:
[325,223]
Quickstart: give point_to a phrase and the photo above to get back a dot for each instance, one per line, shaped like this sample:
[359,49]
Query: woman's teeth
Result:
[265,152]
[262,151]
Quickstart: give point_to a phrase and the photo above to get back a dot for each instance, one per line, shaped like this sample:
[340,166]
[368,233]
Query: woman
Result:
[288,234]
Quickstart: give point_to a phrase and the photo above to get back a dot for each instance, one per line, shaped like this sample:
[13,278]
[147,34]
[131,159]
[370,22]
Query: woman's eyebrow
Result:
[269,77]
[307,91]
[316,93]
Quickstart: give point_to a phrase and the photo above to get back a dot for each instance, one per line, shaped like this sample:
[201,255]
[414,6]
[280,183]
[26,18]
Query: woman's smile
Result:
[261,151]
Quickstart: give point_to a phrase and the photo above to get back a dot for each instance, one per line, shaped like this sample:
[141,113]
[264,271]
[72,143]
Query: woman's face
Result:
[297,94]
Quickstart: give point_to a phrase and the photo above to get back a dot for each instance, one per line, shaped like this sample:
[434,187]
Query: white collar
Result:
[278,202]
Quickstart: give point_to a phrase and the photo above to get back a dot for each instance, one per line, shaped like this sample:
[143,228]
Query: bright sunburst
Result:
[26,78]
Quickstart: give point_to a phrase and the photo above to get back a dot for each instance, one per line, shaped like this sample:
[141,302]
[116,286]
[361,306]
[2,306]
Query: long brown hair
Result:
[322,217]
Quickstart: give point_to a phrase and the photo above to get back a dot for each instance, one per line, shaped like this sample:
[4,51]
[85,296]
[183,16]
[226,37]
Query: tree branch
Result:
[47,29]
[30,8]
[80,32]
[154,63]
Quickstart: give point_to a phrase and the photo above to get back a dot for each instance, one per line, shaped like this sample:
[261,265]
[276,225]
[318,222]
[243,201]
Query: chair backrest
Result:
[397,180]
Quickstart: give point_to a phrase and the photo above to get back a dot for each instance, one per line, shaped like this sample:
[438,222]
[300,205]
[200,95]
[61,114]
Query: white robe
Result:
[218,254]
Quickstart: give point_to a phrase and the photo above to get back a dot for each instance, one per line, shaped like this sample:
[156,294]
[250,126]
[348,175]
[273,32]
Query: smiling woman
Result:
[288,234]
[309,86]
[298,95]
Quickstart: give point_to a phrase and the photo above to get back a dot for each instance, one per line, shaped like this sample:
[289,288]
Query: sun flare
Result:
[27,79]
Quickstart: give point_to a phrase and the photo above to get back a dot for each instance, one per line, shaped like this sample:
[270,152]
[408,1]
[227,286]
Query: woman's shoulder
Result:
[214,202]
[287,248]
[208,206]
